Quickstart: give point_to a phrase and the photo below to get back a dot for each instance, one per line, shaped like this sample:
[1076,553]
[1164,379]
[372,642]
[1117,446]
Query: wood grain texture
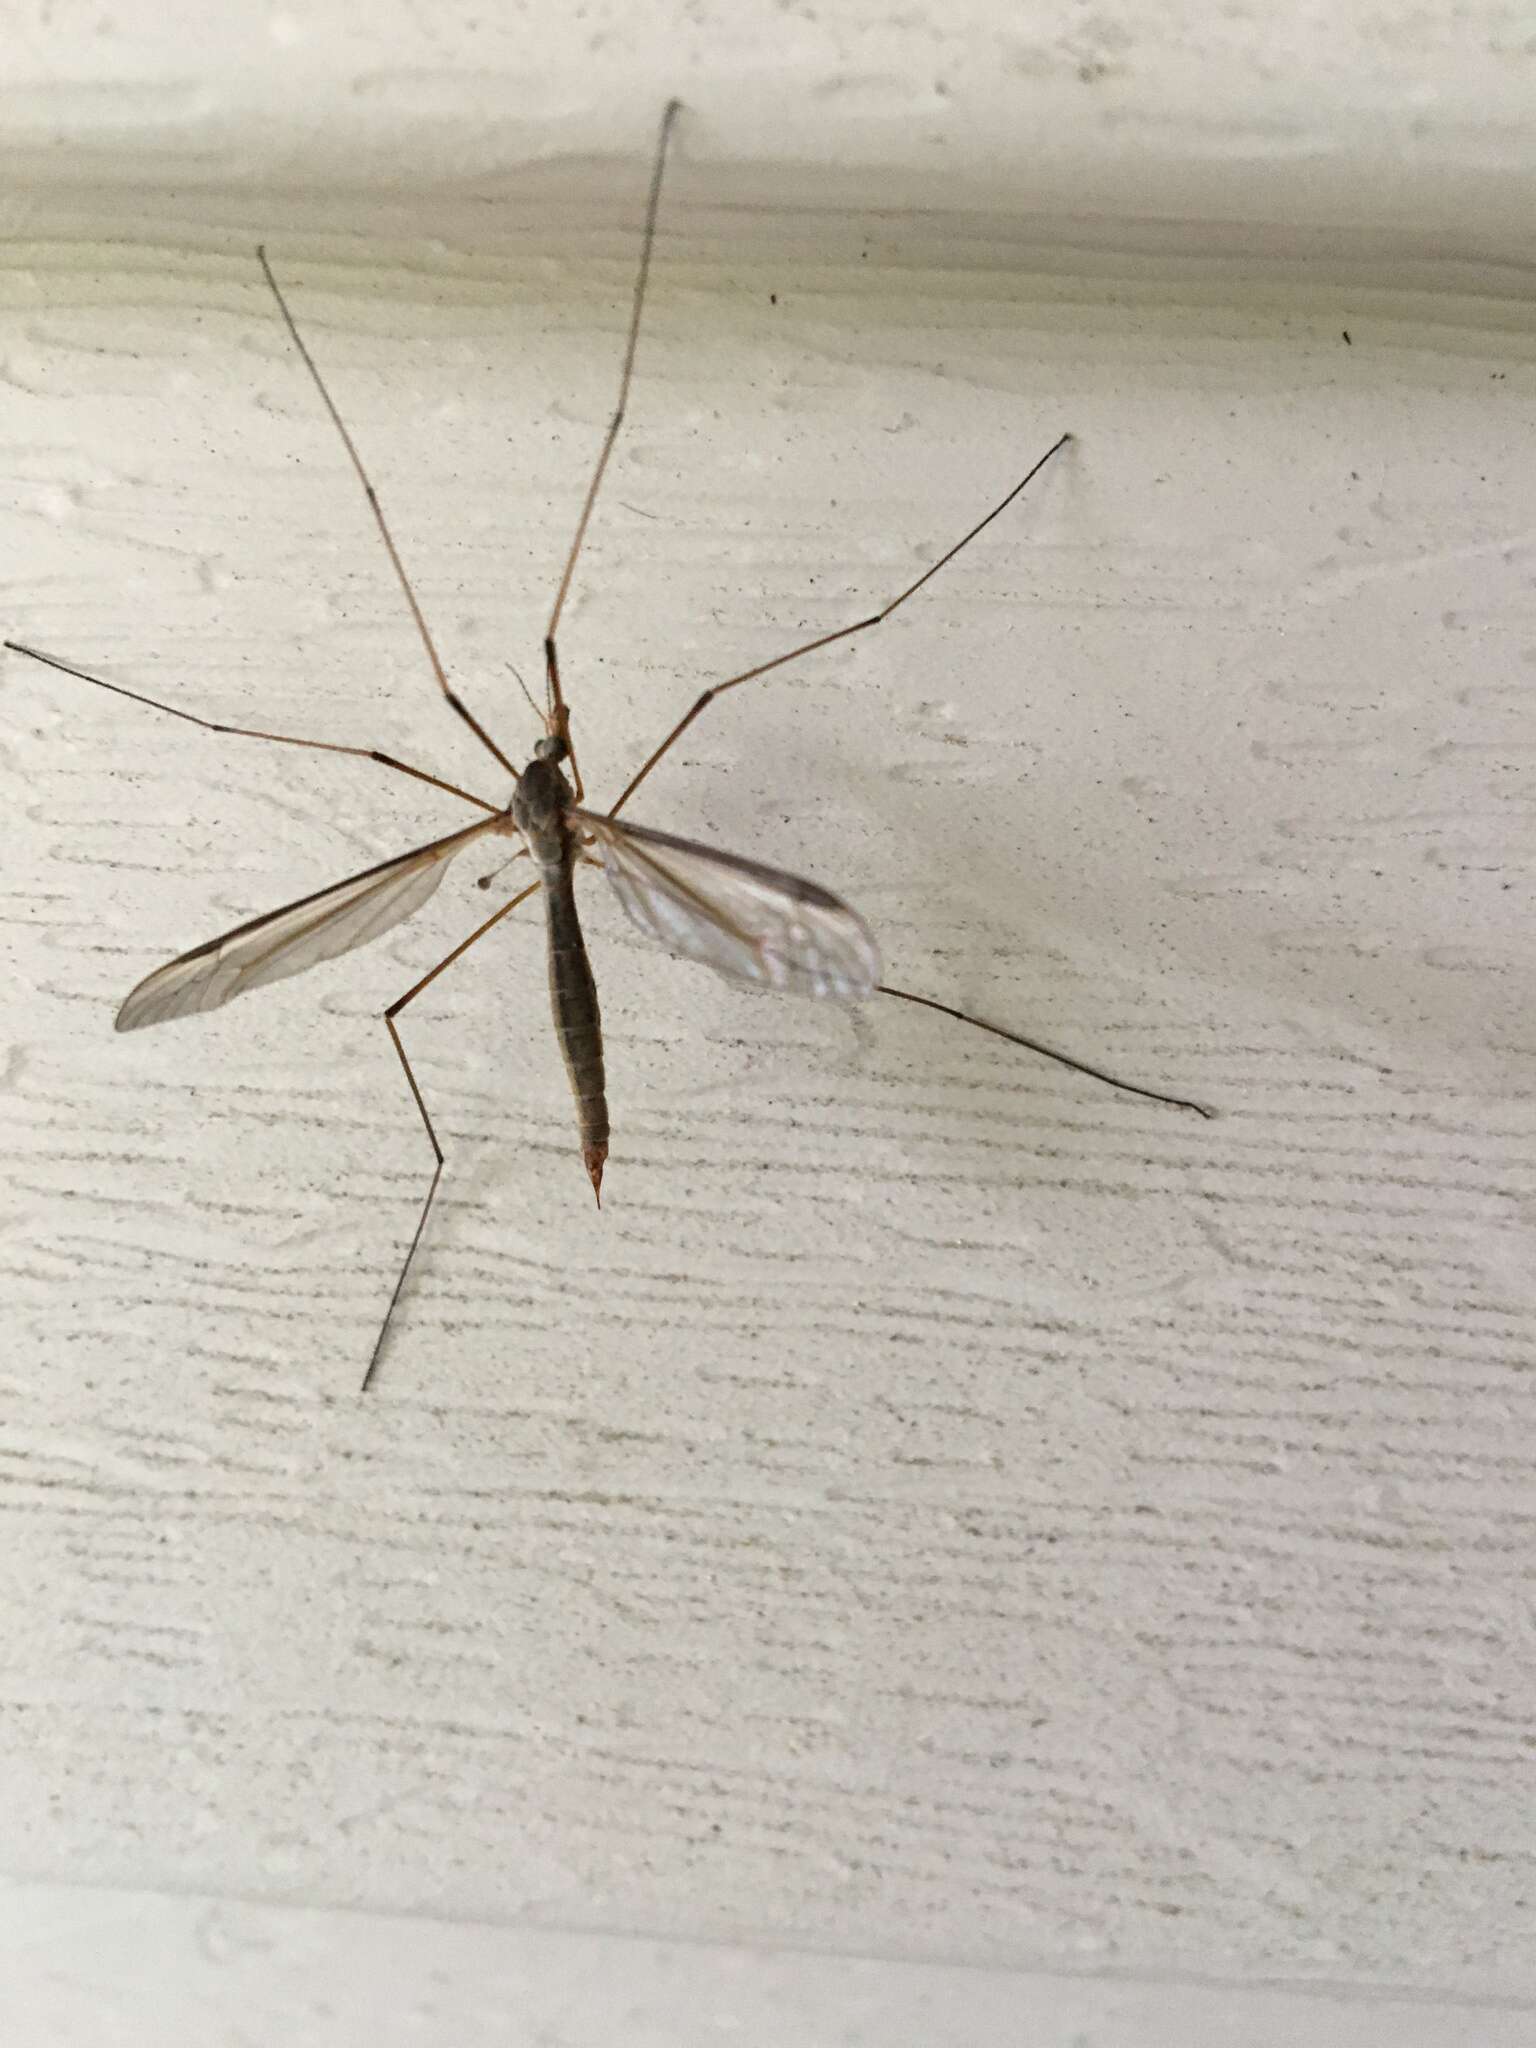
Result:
[1165,111]
[939,1507]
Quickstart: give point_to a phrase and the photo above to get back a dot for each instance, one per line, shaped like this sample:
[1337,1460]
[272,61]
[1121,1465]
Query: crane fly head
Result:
[556,743]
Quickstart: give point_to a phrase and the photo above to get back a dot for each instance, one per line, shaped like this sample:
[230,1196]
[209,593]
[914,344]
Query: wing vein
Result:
[756,925]
[298,935]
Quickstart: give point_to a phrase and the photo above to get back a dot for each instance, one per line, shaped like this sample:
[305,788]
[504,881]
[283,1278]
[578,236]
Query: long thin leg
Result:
[1048,1052]
[248,732]
[377,510]
[827,639]
[557,705]
[426,1117]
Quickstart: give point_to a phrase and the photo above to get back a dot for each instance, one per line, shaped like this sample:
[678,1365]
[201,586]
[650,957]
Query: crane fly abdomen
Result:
[578,1022]
[541,811]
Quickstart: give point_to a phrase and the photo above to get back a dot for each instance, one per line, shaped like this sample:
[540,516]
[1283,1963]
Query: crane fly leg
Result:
[426,1115]
[829,639]
[250,732]
[559,712]
[396,561]
[1048,1052]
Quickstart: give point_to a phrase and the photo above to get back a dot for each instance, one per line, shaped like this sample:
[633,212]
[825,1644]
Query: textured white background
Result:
[940,1509]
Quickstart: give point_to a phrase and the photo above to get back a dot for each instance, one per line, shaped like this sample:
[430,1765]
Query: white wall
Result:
[941,1510]
[1378,114]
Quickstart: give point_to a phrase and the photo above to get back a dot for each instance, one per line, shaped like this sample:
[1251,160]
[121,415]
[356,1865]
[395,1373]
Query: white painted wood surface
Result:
[115,1970]
[940,1508]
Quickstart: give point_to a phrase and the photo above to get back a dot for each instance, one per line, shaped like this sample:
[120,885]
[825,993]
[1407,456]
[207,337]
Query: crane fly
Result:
[756,925]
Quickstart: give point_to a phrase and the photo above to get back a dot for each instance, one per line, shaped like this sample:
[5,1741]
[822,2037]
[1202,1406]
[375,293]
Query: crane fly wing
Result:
[299,935]
[750,923]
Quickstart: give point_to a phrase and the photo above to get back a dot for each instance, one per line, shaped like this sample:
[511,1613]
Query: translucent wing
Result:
[748,922]
[299,935]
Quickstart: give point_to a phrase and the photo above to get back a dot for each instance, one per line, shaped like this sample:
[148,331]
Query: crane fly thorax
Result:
[539,806]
